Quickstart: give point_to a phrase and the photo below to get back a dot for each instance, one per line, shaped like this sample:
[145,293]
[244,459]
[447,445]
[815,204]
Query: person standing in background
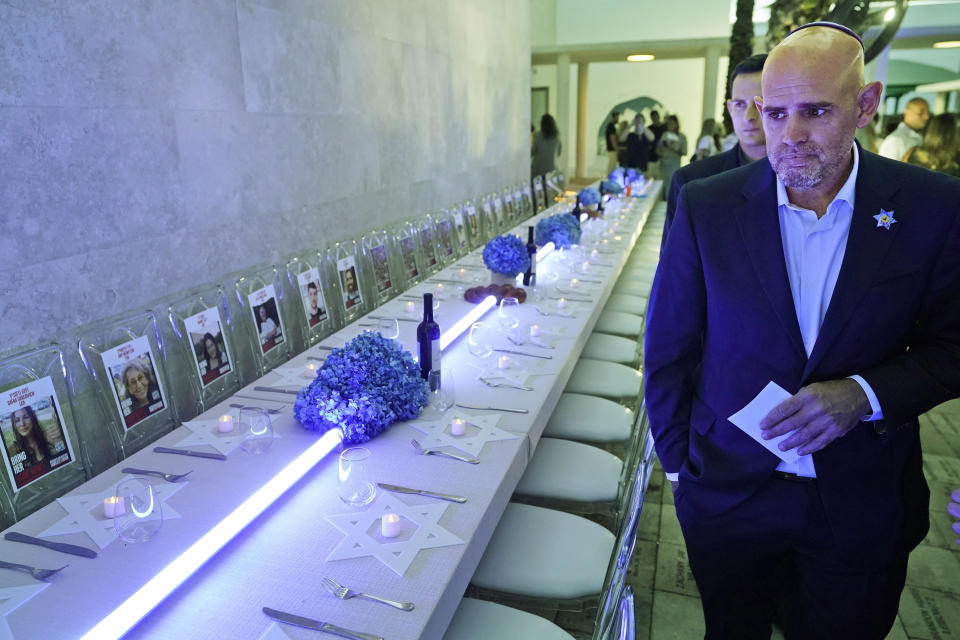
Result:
[707,142]
[546,147]
[657,128]
[610,135]
[940,150]
[671,148]
[639,145]
[907,134]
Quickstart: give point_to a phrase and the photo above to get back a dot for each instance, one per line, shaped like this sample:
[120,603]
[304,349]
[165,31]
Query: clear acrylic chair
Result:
[361,276]
[446,235]
[407,244]
[259,313]
[56,452]
[430,248]
[308,295]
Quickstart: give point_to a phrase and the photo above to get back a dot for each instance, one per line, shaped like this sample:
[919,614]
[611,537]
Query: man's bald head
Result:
[824,49]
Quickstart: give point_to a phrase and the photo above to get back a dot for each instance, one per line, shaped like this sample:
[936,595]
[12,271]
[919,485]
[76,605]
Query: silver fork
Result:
[344,593]
[440,452]
[505,384]
[169,477]
[521,343]
[39,574]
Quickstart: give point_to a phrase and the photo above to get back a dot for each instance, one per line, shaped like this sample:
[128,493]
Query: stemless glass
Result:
[388,327]
[442,389]
[256,430]
[141,514]
[479,340]
[353,481]
[509,314]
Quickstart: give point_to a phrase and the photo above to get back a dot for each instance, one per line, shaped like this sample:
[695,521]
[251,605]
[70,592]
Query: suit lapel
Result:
[865,253]
[759,227]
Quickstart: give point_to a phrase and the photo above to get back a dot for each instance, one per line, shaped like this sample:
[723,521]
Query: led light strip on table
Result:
[134,608]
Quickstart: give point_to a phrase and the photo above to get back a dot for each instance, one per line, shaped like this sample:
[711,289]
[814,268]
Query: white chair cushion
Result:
[589,418]
[636,305]
[483,620]
[619,323]
[568,470]
[604,379]
[546,554]
[633,288]
[603,346]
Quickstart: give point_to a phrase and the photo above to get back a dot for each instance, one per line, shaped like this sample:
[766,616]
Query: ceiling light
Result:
[947,44]
[640,57]
[890,14]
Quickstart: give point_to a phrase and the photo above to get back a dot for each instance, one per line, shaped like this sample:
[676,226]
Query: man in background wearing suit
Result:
[834,273]
[744,87]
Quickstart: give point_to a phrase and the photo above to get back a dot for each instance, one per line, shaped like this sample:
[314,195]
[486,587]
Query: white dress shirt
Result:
[814,250]
[895,145]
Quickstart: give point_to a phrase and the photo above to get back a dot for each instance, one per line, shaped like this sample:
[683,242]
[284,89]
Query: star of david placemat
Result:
[13,597]
[480,431]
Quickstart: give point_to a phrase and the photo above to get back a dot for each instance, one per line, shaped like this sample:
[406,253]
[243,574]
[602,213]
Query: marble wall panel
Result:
[152,146]
[275,46]
[102,53]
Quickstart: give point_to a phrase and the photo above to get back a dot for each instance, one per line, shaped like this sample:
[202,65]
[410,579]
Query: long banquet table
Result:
[278,560]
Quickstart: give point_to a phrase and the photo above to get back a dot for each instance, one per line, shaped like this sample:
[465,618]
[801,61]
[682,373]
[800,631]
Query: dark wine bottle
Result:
[577,212]
[530,275]
[600,205]
[428,340]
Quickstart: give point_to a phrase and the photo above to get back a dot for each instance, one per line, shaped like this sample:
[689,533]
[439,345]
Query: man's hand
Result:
[818,414]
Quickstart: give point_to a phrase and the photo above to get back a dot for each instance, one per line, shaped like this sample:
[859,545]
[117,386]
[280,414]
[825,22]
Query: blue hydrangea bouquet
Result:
[506,255]
[561,229]
[361,389]
[611,186]
[589,196]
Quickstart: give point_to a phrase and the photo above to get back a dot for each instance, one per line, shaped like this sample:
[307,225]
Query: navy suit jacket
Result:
[721,324]
[710,166]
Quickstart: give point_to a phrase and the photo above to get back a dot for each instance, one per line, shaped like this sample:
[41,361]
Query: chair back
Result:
[307,294]
[430,249]
[124,358]
[460,225]
[52,457]
[499,212]
[376,265]
[448,242]
[474,225]
[260,315]
[539,203]
[510,211]
[491,224]
[202,364]
[526,195]
[407,242]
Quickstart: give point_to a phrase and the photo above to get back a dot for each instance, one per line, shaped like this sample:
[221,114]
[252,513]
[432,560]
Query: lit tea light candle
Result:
[562,303]
[586,266]
[458,427]
[618,237]
[310,371]
[594,254]
[439,288]
[411,308]
[534,331]
[390,525]
[503,362]
[113,506]
[225,424]
[463,272]
[574,283]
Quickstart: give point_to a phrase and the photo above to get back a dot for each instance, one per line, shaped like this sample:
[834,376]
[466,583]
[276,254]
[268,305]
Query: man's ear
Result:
[868,101]
[758,100]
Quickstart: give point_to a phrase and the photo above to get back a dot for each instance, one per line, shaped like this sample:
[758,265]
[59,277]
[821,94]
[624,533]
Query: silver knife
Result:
[421,492]
[316,625]
[241,406]
[188,452]
[397,318]
[523,353]
[467,406]
[63,547]
[277,390]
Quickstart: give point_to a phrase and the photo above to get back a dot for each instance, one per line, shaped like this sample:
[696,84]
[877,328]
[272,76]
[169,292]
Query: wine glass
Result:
[442,389]
[256,430]
[140,515]
[478,341]
[509,314]
[388,327]
[353,482]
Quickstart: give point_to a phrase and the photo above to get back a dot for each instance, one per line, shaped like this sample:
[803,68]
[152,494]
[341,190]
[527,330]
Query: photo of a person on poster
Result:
[34,440]
[209,348]
[313,304]
[381,268]
[263,304]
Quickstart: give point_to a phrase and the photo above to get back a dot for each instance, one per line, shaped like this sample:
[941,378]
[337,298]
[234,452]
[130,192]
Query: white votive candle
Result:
[458,427]
[463,272]
[503,362]
[618,238]
[534,331]
[594,254]
[310,371]
[411,308]
[113,506]
[574,283]
[390,525]
[586,266]
[225,424]
[562,303]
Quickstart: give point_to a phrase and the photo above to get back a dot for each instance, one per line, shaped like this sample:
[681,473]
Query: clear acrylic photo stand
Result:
[499,214]
[407,243]
[509,206]
[490,226]
[381,275]
[355,294]
[538,194]
[258,311]
[26,379]
[102,346]
[204,363]
[430,250]
[459,213]
[447,241]
[308,297]
[528,206]
[474,225]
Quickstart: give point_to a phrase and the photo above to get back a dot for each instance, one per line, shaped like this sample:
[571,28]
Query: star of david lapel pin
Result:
[884,219]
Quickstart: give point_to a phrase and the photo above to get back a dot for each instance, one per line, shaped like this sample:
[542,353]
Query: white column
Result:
[710,70]
[583,72]
[563,110]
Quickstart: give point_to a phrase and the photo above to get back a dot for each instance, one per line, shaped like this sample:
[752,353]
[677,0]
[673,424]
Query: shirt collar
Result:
[847,192]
